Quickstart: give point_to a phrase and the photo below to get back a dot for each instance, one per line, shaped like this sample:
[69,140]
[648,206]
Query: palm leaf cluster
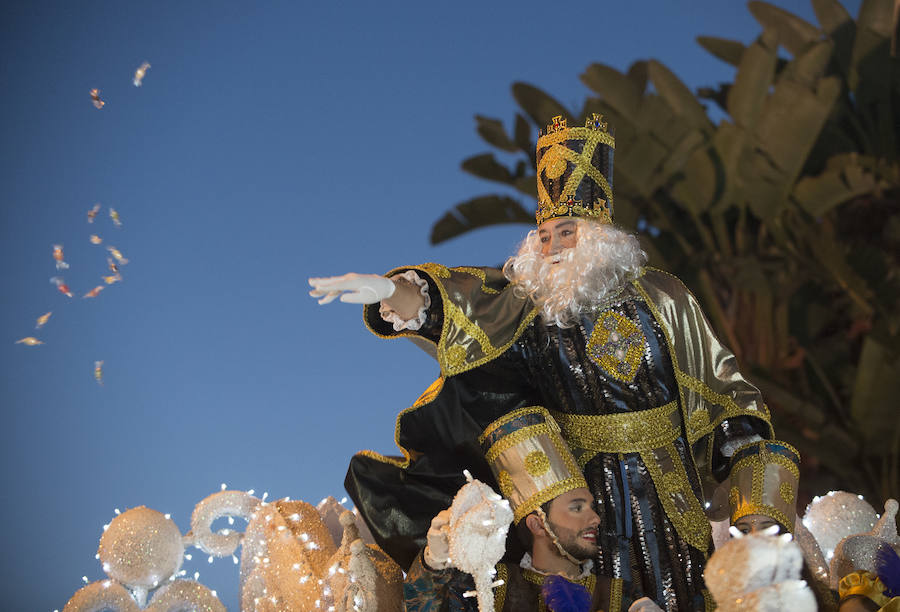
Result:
[782,217]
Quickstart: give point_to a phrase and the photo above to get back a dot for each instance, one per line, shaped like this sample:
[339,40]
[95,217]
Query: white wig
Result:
[603,259]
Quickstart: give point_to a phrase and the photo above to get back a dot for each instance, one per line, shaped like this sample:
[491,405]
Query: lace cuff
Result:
[414,324]
[728,448]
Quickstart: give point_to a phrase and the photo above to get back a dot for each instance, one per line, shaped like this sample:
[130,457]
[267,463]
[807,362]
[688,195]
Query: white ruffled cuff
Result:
[390,316]
[731,446]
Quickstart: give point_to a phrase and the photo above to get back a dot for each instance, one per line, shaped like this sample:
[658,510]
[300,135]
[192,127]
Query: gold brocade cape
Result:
[481,318]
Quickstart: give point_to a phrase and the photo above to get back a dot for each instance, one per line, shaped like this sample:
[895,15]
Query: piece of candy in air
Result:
[112,278]
[29,341]
[94,292]
[140,73]
[114,215]
[61,285]
[58,256]
[98,371]
[42,320]
[92,213]
[95,97]
[95,239]
[118,255]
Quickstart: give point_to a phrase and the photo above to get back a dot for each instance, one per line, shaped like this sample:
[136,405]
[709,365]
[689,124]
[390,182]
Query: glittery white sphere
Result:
[102,595]
[141,548]
[834,516]
[185,595]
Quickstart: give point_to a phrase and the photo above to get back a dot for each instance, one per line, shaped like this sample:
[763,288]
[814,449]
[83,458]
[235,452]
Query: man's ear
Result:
[535,525]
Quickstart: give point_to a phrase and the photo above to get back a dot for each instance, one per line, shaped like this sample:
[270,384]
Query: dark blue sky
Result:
[270,142]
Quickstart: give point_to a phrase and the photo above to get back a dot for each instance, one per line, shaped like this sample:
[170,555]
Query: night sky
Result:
[270,142]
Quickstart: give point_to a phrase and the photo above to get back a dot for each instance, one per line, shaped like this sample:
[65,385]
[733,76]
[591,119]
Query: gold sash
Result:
[652,434]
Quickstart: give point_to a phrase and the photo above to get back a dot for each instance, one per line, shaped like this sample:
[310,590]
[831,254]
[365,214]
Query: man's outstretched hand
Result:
[352,288]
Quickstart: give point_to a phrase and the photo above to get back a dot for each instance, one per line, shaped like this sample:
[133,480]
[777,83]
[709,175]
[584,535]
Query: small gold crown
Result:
[574,208]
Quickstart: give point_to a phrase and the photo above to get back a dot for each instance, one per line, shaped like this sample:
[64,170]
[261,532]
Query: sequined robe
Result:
[645,395]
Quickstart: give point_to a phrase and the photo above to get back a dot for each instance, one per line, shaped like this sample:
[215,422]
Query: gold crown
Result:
[530,460]
[764,479]
[566,160]
[575,208]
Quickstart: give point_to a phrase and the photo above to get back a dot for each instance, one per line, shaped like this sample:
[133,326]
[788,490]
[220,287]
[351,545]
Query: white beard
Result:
[575,280]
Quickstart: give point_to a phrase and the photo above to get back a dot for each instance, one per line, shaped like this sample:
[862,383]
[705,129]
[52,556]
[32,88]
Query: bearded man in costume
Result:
[651,404]
[525,450]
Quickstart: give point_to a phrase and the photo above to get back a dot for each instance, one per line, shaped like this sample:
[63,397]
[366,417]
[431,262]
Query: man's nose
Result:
[555,245]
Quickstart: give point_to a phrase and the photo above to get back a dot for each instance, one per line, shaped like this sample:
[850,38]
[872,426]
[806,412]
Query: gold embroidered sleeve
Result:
[482,316]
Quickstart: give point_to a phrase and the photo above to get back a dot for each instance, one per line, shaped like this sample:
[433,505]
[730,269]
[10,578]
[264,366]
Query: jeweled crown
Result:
[574,170]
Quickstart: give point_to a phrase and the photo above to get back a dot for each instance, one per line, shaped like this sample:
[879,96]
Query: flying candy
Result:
[61,285]
[95,239]
[93,213]
[112,266]
[139,74]
[109,280]
[114,216]
[118,255]
[58,256]
[29,341]
[94,292]
[95,96]
[98,371]
[41,320]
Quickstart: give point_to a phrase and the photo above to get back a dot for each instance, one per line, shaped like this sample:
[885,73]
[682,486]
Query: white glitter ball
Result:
[141,548]
[833,517]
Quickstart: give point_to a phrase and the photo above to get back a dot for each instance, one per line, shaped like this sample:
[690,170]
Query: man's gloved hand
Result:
[353,288]
[437,549]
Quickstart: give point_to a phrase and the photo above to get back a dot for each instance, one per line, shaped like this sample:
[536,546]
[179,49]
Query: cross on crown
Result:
[596,122]
[558,124]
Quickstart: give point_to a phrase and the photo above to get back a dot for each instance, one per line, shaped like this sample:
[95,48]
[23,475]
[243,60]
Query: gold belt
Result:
[626,432]
[652,434]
